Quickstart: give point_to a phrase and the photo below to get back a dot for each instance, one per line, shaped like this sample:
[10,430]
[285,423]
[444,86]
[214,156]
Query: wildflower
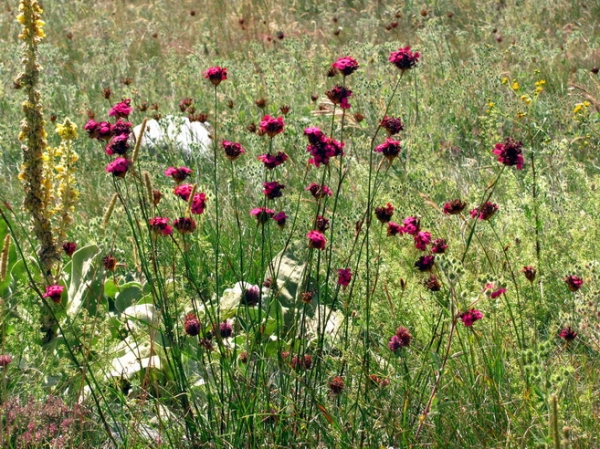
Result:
[573,282]
[412,225]
[121,127]
[271,125]
[121,110]
[191,324]
[336,385]
[529,273]
[509,153]
[346,66]
[404,336]
[299,362]
[198,203]
[66,130]
[494,291]
[433,283]
[425,263]
[233,150]
[394,229]
[316,240]
[422,239]
[404,59]
[339,95]
[273,160]
[215,75]
[117,145]
[379,381]
[100,131]
[225,329]
[322,148]
[392,125]
[243,357]
[251,296]
[515,85]
[109,262]
[183,191]
[69,248]
[273,190]
[54,292]
[184,225]
[262,214]
[156,197]
[160,225]
[280,218]
[5,360]
[344,277]
[567,334]
[485,212]
[319,191]
[307,297]
[384,214]
[468,318]
[454,207]
[439,246]
[185,103]
[261,103]
[178,174]
[390,149]
[118,167]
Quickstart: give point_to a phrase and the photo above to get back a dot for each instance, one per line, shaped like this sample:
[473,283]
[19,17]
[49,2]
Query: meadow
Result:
[391,240]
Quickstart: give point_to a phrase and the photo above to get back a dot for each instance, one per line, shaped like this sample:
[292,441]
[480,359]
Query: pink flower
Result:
[262,214]
[568,334]
[344,277]
[273,190]
[191,324]
[215,75]
[422,239]
[198,203]
[314,135]
[394,229]
[118,145]
[468,318]
[404,59]
[178,174]
[494,291]
[233,150]
[319,191]
[225,329]
[121,110]
[184,225]
[401,339]
[185,103]
[346,66]
[384,214]
[273,160]
[271,125]
[69,248]
[280,218]
[439,246]
[425,263]
[390,148]
[486,211]
[322,148]
[529,272]
[316,240]
[121,127]
[118,167]
[573,282]
[454,207]
[183,191]
[54,292]
[100,131]
[509,153]
[160,225]
[412,225]
[5,360]
[392,125]
[339,95]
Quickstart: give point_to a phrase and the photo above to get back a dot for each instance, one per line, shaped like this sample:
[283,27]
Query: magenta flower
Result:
[5,360]
[568,334]
[280,218]
[425,263]
[439,246]
[529,272]
[225,329]
[271,126]
[198,203]
[509,153]
[316,240]
[339,95]
[404,59]
[486,211]
[468,318]
[185,103]
[160,225]
[215,75]
[117,145]
[273,160]
[344,277]
[494,291]
[184,225]
[321,224]
[394,229]
[121,110]
[178,174]
[191,324]
[322,148]
[121,127]
[454,207]
[118,167]
[319,191]
[233,150]
[422,239]
[251,296]
[69,248]
[401,339]
[273,190]
[384,214]
[390,149]
[100,131]
[392,125]
[262,214]
[314,135]
[573,282]
[412,225]
[183,191]
[54,292]
[346,66]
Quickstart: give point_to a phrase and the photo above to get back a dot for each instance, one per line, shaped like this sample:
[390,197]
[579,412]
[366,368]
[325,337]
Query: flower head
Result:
[178,174]
[251,296]
[215,75]
[425,263]
[384,214]
[191,324]
[121,127]
[225,329]
[339,95]
[160,225]
[322,148]
[394,229]
[109,262]
[273,160]
[273,190]
[183,191]
[412,225]
[433,284]
[567,334]
[493,290]
[439,246]
[5,360]
[422,239]
[469,317]
[509,153]
[198,203]
[454,207]
[390,148]
[117,145]
[319,191]
[346,66]
[69,248]
[336,385]
[121,110]
[54,292]
[271,125]
[280,218]
[573,282]
[485,212]
[316,240]
[233,150]
[118,167]
[392,125]
[262,214]
[344,277]
[404,59]
[184,225]
[404,335]
[529,273]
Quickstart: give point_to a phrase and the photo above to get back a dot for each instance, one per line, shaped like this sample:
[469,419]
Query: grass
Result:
[488,71]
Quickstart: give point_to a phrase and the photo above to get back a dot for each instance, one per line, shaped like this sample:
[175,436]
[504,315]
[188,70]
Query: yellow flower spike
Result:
[21,18]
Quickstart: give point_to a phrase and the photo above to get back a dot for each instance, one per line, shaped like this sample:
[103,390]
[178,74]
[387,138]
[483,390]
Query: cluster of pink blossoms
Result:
[321,147]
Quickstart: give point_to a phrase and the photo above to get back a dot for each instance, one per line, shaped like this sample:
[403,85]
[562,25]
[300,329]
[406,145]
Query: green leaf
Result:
[87,280]
[130,293]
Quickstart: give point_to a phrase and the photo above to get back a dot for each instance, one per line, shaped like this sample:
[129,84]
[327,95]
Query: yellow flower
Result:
[578,108]
[586,104]
[504,80]
[515,85]
[491,104]
[67,130]
[526,99]
[21,18]
[539,89]
[521,114]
